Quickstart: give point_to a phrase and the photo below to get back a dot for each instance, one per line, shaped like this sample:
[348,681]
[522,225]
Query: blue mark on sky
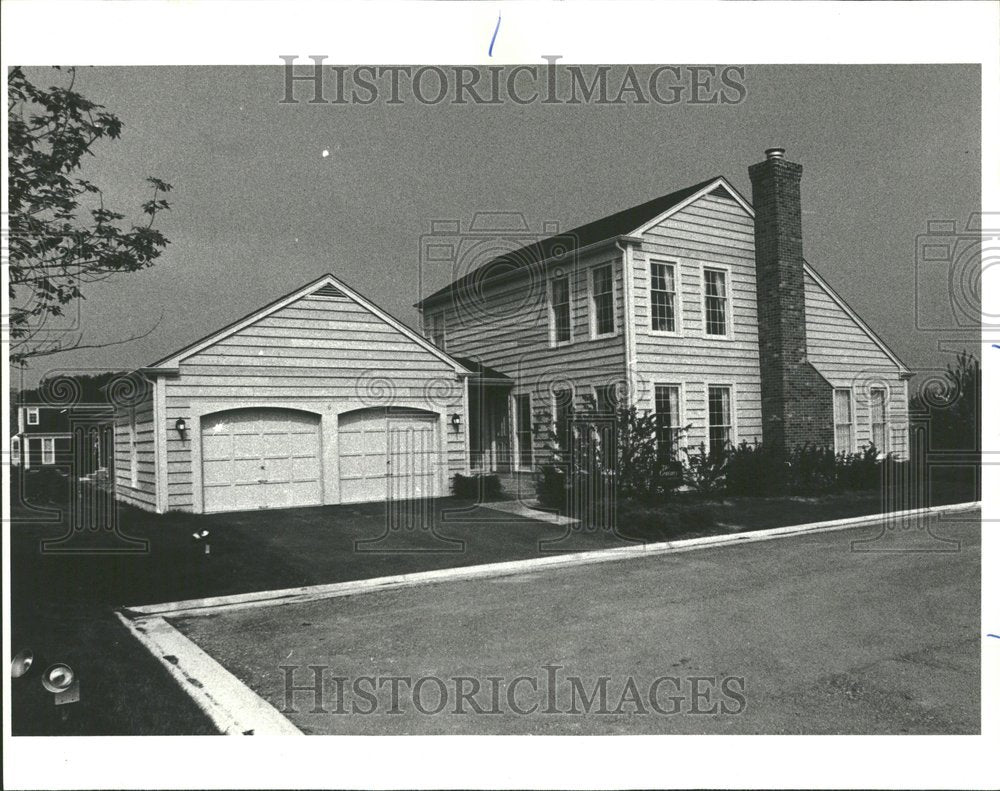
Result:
[995,345]
[494,39]
[997,636]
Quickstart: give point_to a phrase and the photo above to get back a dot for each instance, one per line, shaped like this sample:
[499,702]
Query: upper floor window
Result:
[664,293]
[720,419]
[843,421]
[602,294]
[668,422]
[436,330]
[32,416]
[716,302]
[561,329]
[878,399]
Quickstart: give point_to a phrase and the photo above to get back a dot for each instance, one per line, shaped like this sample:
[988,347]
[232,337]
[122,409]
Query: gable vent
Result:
[721,192]
[330,291]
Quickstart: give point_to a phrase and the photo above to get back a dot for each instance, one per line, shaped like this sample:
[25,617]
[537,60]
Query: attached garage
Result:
[388,453]
[260,458]
[319,398]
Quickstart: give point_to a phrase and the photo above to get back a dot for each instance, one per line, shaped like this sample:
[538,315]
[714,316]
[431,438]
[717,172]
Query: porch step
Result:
[517,485]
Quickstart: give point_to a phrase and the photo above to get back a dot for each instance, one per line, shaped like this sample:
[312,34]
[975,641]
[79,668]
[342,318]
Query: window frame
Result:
[29,413]
[519,430]
[852,444]
[133,452]
[48,451]
[592,300]
[883,448]
[726,270]
[678,329]
[733,428]
[555,412]
[597,390]
[679,387]
[554,341]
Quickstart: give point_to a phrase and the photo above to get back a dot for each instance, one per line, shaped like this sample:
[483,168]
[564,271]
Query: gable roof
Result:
[327,286]
[623,223]
[854,316]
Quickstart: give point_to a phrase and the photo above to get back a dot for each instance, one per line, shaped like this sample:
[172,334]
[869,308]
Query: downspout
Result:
[628,320]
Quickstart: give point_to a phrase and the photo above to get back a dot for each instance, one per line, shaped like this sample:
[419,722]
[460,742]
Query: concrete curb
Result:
[233,707]
[195,607]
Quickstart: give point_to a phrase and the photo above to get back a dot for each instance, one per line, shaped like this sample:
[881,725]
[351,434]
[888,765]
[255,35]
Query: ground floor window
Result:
[843,421]
[878,400]
[563,411]
[668,422]
[720,419]
[606,399]
[15,450]
[522,406]
[48,450]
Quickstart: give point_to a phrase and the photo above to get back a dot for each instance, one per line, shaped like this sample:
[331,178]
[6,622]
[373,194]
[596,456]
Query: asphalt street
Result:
[854,631]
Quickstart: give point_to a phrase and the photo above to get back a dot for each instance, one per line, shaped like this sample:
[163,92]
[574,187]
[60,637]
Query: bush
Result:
[476,487]
[704,471]
[43,485]
[550,487]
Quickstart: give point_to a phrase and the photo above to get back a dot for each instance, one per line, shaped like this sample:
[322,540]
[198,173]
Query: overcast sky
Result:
[258,210]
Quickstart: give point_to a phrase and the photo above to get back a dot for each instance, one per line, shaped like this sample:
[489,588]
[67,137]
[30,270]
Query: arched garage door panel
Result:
[387,454]
[260,458]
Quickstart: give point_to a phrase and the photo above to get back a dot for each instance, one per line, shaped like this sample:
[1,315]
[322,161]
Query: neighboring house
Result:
[65,437]
[696,306]
[319,398]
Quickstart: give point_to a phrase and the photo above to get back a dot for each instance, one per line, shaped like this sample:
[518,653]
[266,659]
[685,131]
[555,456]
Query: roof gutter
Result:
[513,275]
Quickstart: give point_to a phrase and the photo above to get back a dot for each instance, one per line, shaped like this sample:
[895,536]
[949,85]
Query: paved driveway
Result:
[797,635]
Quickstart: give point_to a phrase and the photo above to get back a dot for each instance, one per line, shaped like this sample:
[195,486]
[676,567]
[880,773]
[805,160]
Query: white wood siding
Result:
[143,494]
[325,354]
[711,231]
[848,358]
[508,329]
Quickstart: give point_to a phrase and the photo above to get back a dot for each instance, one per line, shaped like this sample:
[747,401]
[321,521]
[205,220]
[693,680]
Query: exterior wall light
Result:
[181,426]
[456,421]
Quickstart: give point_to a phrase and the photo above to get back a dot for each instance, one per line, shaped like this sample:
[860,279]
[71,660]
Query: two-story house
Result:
[697,306]
[67,437]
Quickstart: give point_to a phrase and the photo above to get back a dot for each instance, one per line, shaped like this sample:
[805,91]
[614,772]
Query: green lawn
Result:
[63,605]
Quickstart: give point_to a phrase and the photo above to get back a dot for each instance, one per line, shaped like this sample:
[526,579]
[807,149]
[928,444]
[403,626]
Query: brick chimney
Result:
[796,401]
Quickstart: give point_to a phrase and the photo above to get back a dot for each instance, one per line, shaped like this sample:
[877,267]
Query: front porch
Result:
[498,443]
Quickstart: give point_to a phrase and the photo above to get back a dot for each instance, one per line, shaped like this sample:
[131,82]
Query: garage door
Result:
[387,455]
[260,458]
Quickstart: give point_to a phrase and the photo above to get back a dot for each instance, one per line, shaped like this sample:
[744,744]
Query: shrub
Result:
[862,470]
[755,470]
[43,485]
[476,487]
[811,469]
[550,487]
[704,471]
